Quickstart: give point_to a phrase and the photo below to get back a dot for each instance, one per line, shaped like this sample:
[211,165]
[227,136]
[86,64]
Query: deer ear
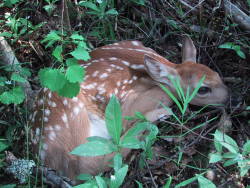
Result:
[188,50]
[158,71]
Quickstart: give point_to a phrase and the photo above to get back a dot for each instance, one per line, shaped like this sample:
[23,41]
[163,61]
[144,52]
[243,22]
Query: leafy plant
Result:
[50,7]
[233,154]
[100,146]
[102,12]
[183,99]
[65,80]
[236,48]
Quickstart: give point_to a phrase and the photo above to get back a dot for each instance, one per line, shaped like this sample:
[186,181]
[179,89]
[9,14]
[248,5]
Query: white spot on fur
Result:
[95,73]
[125,81]
[81,105]
[103,75]
[137,66]
[130,81]
[134,77]
[64,118]
[116,91]
[113,58]
[65,102]
[125,63]
[118,83]
[45,146]
[135,43]
[76,110]
[47,112]
[108,70]
[45,119]
[57,127]
[98,126]
[50,94]
[52,135]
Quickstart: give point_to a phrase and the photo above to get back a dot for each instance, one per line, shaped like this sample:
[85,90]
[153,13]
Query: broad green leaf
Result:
[244,171]
[111,12]
[52,79]
[139,2]
[76,36]
[8,186]
[241,54]
[118,178]
[6,34]
[75,73]
[230,155]
[16,77]
[3,79]
[215,157]
[228,45]
[71,61]
[93,148]
[89,5]
[117,161]
[15,95]
[69,89]
[84,177]
[80,53]
[51,38]
[230,162]
[100,182]
[226,141]
[246,148]
[113,118]
[25,72]
[204,182]
[130,139]
[3,146]
[57,53]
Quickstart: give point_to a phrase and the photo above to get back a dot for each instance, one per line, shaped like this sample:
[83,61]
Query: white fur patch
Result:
[98,126]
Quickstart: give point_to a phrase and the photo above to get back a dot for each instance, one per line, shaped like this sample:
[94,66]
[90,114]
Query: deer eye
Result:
[204,90]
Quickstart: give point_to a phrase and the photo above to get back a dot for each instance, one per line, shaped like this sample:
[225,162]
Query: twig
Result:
[237,15]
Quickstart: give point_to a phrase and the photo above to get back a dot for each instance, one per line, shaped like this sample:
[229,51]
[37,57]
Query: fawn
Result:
[133,73]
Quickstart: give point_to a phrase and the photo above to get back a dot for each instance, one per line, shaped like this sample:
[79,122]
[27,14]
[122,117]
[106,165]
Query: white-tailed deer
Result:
[130,71]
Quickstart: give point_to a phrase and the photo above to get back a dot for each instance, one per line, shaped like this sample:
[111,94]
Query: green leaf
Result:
[69,89]
[230,155]
[15,95]
[8,186]
[51,38]
[57,53]
[71,61]
[117,161]
[100,182]
[246,148]
[75,73]
[228,45]
[226,141]
[89,5]
[3,79]
[6,34]
[230,162]
[93,148]
[89,184]
[111,12]
[76,36]
[119,176]
[16,77]
[204,182]
[241,54]
[168,184]
[138,2]
[84,177]
[186,182]
[52,79]
[130,139]
[113,118]
[3,146]
[215,157]
[80,53]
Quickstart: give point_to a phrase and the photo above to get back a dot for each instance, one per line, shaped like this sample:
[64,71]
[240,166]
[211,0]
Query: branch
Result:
[237,15]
